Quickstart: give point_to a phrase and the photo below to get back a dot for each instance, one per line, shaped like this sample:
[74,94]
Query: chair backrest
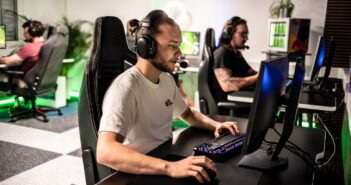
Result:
[106,62]
[43,76]
[208,105]
[210,41]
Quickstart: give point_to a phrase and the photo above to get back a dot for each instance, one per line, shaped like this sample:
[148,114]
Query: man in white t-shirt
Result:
[139,106]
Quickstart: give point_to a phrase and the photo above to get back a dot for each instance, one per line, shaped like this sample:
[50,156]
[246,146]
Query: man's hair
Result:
[35,28]
[154,19]
[228,29]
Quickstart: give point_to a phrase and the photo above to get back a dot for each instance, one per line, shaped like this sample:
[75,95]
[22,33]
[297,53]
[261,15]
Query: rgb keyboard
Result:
[218,147]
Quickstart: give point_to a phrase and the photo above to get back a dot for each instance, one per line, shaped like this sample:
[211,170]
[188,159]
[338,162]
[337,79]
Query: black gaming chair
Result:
[208,104]
[106,62]
[41,78]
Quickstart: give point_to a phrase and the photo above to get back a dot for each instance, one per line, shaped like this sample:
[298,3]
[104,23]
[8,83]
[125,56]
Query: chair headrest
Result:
[61,29]
[210,38]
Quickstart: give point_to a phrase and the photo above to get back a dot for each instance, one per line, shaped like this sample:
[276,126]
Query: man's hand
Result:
[192,166]
[230,126]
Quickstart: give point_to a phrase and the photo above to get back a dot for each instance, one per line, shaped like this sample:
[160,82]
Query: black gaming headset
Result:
[146,43]
[230,28]
[32,30]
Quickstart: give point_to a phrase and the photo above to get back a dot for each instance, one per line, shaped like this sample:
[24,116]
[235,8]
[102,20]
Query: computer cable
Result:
[333,142]
[340,104]
[295,149]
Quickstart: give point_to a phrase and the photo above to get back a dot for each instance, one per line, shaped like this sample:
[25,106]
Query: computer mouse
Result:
[212,174]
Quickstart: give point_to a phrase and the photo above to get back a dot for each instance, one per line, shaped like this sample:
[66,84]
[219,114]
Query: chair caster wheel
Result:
[12,120]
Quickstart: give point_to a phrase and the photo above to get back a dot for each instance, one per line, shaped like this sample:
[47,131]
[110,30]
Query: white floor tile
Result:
[64,170]
[62,143]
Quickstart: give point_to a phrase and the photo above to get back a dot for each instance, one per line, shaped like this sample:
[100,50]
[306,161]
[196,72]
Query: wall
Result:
[201,15]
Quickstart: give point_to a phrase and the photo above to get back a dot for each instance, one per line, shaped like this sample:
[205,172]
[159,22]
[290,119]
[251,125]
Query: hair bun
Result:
[133,26]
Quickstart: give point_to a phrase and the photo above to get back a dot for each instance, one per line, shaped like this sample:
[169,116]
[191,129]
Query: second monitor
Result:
[269,96]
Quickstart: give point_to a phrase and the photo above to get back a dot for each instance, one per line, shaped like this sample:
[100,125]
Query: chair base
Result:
[22,113]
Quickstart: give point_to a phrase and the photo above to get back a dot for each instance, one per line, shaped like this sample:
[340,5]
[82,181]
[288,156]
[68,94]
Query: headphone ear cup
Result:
[146,47]
[32,30]
[227,34]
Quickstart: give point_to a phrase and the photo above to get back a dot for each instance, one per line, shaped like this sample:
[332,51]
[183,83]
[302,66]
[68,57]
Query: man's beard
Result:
[161,66]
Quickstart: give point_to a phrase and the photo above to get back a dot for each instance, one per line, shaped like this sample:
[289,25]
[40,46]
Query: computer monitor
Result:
[328,64]
[269,96]
[190,45]
[2,37]
[319,59]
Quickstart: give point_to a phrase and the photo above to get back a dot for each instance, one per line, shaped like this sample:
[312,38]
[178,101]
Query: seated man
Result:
[27,56]
[230,68]
[139,106]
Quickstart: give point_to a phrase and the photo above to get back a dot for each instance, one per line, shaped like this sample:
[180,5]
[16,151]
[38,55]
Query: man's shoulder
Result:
[222,51]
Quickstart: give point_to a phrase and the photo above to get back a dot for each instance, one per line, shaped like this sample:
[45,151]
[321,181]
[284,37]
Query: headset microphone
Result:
[246,47]
[183,63]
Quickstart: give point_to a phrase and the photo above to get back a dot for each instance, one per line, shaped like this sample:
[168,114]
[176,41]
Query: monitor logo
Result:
[168,103]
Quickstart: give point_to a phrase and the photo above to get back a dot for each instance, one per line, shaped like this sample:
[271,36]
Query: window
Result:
[8,17]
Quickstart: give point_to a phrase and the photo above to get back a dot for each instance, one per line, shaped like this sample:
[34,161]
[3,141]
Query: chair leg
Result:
[21,113]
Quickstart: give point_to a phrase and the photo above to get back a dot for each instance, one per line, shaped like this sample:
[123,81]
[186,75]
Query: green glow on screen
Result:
[190,43]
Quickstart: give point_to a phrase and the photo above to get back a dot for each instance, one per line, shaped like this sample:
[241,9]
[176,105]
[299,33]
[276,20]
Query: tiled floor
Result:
[37,153]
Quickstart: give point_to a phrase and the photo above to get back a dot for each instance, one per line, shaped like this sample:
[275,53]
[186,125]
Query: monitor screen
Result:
[2,37]
[191,43]
[319,59]
[269,92]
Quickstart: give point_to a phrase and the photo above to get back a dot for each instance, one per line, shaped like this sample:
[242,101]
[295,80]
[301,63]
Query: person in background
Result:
[139,106]
[231,70]
[27,56]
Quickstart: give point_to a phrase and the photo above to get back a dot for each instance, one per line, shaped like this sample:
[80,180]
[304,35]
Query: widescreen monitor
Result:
[319,59]
[190,43]
[269,96]
[2,37]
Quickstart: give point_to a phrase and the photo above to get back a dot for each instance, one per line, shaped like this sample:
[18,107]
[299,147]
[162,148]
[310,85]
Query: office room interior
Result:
[37,152]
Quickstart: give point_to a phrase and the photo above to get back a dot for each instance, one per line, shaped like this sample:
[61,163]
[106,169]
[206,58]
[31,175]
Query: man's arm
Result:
[112,153]
[199,120]
[13,60]
[229,84]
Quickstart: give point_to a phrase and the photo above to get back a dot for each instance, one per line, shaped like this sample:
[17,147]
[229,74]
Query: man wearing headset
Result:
[28,55]
[230,68]
[139,106]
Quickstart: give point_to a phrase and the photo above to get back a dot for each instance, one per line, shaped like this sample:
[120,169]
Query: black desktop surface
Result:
[228,171]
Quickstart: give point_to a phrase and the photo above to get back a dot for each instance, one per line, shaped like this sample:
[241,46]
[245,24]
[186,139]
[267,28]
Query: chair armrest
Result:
[232,105]
[14,72]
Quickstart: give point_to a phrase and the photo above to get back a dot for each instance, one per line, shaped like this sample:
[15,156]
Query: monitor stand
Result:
[261,160]
[317,87]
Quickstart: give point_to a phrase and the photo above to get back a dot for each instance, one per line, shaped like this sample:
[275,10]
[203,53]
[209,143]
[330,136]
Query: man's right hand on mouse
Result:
[192,166]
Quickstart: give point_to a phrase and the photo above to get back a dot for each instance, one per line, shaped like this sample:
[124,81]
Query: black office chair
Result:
[41,78]
[208,103]
[106,62]
[210,41]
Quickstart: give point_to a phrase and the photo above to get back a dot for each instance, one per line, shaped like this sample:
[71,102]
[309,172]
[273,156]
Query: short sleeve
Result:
[118,110]
[24,52]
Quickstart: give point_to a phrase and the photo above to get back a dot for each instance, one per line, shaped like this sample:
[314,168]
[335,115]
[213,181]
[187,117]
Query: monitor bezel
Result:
[3,27]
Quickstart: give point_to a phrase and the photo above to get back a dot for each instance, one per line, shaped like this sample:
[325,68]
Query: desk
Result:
[308,101]
[228,172]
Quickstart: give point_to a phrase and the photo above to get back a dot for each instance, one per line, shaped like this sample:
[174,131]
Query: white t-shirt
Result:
[140,110]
